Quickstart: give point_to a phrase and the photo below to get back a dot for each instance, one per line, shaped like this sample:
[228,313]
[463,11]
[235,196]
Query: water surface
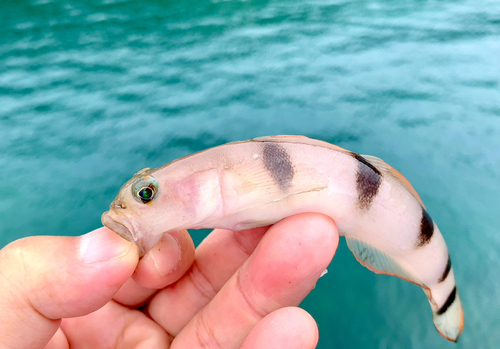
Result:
[92,91]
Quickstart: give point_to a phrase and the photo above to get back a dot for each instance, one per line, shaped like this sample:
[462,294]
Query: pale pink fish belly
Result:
[259,182]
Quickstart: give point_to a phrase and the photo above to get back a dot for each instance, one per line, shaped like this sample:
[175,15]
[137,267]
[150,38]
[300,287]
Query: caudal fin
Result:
[449,319]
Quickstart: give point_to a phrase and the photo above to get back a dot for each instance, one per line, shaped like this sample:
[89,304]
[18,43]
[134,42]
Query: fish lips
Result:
[121,230]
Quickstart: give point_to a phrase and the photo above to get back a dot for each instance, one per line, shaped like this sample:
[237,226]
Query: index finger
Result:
[164,264]
[218,257]
[174,254]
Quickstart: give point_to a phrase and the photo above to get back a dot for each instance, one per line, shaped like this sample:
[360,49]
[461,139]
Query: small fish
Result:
[258,182]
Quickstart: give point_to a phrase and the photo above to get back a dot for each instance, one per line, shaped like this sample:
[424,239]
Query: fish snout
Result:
[129,232]
[117,227]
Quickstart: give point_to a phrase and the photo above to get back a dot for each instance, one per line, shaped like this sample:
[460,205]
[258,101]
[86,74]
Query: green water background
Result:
[92,91]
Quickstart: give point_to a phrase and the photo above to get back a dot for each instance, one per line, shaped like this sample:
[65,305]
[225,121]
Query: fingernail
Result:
[100,245]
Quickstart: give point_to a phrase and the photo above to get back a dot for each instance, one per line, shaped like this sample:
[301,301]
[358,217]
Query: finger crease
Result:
[206,336]
[241,246]
[201,282]
[258,311]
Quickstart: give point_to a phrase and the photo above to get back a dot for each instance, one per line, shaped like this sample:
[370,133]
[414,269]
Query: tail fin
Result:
[449,319]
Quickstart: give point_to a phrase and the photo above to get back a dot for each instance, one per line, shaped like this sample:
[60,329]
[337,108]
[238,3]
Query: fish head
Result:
[138,212]
[158,201]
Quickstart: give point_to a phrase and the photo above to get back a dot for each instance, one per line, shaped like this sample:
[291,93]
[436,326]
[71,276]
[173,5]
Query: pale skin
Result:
[236,290]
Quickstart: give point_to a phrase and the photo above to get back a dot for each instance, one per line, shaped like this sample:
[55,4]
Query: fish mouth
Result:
[121,230]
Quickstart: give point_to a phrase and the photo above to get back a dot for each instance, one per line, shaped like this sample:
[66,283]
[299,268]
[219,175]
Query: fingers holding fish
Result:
[218,257]
[163,265]
[281,271]
[167,261]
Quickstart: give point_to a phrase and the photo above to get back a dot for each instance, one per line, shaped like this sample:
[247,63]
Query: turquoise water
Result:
[91,91]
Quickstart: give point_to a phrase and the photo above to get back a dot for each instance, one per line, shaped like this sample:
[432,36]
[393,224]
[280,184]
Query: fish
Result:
[258,182]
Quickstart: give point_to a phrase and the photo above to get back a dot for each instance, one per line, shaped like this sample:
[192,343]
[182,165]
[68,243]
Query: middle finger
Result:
[217,259]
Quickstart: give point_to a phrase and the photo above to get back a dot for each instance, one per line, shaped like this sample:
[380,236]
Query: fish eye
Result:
[145,189]
[146,194]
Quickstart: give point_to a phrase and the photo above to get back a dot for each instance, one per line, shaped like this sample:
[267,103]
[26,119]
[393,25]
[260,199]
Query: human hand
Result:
[239,289]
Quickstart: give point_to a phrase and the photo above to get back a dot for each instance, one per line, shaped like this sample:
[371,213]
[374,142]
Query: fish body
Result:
[258,182]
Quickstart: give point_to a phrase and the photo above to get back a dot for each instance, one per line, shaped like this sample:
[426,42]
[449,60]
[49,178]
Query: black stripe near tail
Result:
[449,302]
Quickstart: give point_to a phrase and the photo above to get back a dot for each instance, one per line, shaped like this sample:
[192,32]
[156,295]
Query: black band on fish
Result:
[278,163]
[426,229]
[446,270]
[368,179]
[449,302]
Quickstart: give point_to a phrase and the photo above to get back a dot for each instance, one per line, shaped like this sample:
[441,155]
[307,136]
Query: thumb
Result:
[45,278]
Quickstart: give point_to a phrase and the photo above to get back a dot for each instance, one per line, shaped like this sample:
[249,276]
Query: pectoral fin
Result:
[379,262]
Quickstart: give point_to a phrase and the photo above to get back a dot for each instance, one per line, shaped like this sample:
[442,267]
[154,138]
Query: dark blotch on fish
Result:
[446,270]
[426,229]
[368,179]
[449,301]
[278,163]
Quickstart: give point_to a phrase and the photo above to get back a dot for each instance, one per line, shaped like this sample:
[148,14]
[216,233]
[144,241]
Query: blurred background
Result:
[92,91]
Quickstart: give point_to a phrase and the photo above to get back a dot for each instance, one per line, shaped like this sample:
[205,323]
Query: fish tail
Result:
[448,316]
[447,313]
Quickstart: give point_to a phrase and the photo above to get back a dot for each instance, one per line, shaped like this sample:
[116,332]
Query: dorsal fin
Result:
[300,140]
[383,167]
